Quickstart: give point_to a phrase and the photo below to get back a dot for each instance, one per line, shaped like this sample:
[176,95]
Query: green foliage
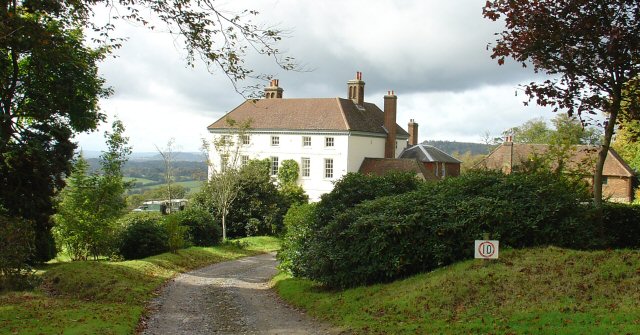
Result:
[566,131]
[258,208]
[176,233]
[395,236]
[202,229]
[288,172]
[355,188]
[90,204]
[51,90]
[627,143]
[143,235]
[297,224]
[292,194]
[621,225]
[16,248]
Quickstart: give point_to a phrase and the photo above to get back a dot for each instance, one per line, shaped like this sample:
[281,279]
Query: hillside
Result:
[461,147]
[530,291]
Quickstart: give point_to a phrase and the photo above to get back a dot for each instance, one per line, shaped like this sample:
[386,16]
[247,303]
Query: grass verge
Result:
[531,291]
[107,297]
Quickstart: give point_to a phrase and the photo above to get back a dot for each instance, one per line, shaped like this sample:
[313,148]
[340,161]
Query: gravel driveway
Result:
[228,298]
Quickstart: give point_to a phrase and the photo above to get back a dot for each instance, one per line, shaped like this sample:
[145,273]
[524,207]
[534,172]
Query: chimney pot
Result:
[355,89]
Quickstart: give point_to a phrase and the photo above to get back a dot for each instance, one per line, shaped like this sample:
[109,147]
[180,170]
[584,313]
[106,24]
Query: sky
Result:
[432,53]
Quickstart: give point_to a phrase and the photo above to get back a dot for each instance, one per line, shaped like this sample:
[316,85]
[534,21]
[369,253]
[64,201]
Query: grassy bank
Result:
[532,291]
[107,297]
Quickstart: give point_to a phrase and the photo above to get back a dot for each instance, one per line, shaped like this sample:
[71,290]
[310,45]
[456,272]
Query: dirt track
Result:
[228,298]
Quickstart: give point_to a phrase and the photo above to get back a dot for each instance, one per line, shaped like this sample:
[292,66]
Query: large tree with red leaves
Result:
[590,49]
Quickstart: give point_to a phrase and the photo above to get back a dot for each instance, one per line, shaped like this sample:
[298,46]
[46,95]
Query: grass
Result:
[193,185]
[142,181]
[532,291]
[107,297]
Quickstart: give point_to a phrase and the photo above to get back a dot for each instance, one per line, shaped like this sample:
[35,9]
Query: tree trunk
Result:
[604,150]
[224,225]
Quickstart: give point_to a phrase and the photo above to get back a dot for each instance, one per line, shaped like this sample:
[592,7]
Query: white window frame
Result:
[305,167]
[246,139]
[275,141]
[328,168]
[306,141]
[329,142]
[244,159]
[275,165]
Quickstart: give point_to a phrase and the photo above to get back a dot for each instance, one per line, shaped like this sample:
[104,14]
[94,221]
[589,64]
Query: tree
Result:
[168,157]
[224,165]
[291,192]
[91,203]
[627,143]
[50,87]
[533,131]
[588,48]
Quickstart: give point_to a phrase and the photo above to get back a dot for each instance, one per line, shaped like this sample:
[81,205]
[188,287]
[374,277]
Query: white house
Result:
[328,137]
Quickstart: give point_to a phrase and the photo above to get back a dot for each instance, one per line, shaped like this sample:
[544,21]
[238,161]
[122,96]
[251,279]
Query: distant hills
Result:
[152,156]
[461,147]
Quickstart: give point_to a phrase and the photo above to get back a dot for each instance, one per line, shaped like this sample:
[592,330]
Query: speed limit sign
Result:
[486,249]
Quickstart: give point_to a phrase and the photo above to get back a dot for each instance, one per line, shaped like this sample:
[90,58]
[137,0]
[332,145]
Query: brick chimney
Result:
[390,105]
[356,89]
[413,132]
[273,91]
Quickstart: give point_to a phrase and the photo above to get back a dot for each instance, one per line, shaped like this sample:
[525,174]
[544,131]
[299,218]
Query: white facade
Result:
[330,155]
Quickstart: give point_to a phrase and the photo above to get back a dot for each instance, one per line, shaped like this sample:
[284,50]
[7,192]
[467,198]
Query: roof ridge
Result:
[426,153]
[344,117]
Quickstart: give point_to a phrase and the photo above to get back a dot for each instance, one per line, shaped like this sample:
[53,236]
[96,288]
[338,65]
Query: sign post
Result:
[486,249]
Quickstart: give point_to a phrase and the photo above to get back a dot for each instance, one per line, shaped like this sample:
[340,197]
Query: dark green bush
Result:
[621,225]
[202,230]
[355,188]
[143,235]
[395,236]
[17,245]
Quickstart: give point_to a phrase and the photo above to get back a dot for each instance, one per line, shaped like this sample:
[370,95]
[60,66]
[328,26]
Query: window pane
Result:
[306,141]
[328,141]
[274,166]
[275,140]
[328,168]
[305,167]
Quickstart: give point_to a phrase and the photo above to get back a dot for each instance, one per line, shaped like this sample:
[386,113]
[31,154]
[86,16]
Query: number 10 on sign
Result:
[486,249]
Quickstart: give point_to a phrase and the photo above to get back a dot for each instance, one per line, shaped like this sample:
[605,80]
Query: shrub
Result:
[176,233]
[16,248]
[143,235]
[621,225]
[297,222]
[355,188]
[399,235]
[202,230]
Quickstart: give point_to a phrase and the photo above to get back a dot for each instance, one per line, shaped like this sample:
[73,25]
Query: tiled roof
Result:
[382,166]
[582,156]
[427,153]
[309,114]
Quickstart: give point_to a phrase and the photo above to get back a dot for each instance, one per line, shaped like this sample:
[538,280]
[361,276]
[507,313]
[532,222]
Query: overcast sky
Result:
[432,53]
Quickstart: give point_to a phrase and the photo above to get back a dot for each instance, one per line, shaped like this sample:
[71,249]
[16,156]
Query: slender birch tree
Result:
[224,160]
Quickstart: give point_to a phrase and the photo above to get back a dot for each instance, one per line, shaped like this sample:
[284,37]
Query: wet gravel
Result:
[228,298]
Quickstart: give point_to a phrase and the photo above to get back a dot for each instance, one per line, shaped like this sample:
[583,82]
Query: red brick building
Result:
[617,175]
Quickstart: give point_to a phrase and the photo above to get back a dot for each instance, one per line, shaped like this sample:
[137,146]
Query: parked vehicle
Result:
[163,206]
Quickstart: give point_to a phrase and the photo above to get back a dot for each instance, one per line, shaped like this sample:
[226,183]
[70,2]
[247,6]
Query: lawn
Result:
[102,297]
[531,291]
